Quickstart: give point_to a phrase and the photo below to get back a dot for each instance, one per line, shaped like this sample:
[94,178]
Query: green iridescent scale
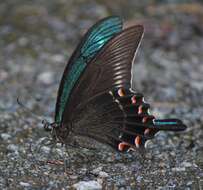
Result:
[73,76]
[95,39]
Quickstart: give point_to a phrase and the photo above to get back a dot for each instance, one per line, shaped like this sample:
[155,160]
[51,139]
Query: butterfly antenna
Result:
[28,110]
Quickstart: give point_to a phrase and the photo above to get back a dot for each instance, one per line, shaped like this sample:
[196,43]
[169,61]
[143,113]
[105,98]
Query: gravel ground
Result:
[36,40]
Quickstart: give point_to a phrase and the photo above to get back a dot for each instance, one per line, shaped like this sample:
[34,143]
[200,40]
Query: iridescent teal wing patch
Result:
[92,42]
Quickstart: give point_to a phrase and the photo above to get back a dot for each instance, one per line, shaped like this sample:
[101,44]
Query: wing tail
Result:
[169,124]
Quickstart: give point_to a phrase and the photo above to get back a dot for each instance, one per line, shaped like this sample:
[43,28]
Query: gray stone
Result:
[46,77]
[24,184]
[5,136]
[87,185]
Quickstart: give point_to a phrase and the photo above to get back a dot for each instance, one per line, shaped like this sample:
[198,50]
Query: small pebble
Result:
[87,185]
[187,164]
[24,184]
[46,78]
[58,58]
[5,136]
[45,149]
[97,170]
[13,147]
[178,169]
[103,174]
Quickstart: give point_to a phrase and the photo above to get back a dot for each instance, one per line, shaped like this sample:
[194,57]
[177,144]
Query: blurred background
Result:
[36,40]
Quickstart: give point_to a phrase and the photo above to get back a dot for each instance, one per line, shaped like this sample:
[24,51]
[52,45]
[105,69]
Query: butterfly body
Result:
[95,99]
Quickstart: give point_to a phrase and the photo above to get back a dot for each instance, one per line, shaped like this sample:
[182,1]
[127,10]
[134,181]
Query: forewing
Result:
[110,68]
[92,42]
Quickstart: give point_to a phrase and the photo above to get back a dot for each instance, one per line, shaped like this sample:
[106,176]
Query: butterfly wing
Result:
[99,108]
[92,42]
[110,68]
[119,118]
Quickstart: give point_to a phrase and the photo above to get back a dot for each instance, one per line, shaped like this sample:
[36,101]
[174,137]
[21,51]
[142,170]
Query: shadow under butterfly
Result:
[95,98]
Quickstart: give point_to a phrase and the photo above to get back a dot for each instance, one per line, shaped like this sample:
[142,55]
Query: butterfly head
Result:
[59,133]
[48,126]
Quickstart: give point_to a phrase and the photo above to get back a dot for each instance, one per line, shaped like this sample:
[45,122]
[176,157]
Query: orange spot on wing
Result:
[140,109]
[133,99]
[138,141]
[121,92]
[123,146]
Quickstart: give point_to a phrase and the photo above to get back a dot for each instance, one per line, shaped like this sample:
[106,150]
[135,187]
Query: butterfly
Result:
[95,99]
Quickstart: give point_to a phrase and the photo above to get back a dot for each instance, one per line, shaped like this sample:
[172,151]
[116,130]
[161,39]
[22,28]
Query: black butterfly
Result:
[95,98]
